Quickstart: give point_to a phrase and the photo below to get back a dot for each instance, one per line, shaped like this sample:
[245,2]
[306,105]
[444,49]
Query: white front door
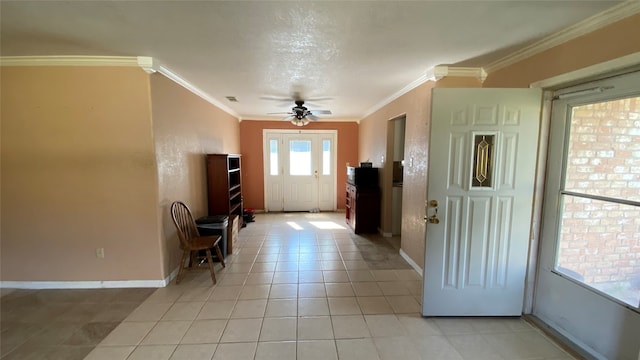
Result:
[480,186]
[300,171]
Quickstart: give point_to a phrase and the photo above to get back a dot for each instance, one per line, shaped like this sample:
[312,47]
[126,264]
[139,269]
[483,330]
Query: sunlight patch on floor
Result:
[326,225]
[295,225]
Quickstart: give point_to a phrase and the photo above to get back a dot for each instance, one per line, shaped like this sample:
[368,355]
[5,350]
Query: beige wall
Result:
[78,173]
[84,166]
[416,105]
[185,127]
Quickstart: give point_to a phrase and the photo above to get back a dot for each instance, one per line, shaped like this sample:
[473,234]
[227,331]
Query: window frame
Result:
[564,101]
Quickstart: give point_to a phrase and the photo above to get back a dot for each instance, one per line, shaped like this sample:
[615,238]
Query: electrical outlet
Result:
[100,253]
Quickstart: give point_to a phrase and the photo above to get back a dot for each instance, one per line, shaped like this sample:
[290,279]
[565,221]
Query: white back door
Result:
[480,186]
[300,170]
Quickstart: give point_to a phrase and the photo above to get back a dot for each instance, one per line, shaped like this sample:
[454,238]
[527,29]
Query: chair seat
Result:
[204,242]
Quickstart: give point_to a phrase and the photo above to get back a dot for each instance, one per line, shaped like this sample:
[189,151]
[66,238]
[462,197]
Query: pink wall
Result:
[252,155]
[611,42]
[185,127]
[416,104]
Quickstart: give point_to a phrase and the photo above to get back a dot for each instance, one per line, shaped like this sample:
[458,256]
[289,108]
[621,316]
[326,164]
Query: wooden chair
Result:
[191,242]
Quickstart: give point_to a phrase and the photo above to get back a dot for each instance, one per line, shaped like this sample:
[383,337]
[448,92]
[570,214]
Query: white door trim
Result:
[594,72]
[559,312]
[265,158]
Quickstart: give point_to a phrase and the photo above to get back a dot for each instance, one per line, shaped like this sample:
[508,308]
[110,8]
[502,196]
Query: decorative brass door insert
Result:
[483,160]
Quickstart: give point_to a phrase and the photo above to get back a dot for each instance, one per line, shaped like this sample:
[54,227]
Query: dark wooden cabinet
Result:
[362,207]
[224,185]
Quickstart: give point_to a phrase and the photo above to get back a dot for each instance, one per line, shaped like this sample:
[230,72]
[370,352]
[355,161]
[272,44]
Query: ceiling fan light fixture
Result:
[300,115]
[299,122]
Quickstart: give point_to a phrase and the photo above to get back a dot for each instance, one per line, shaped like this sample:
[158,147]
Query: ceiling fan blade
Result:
[275,98]
[281,113]
[312,117]
[320,99]
[320,112]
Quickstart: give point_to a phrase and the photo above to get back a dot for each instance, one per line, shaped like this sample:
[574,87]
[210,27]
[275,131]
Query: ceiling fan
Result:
[300,115]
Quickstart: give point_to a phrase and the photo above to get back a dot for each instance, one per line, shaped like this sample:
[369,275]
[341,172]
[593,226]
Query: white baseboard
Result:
[90,284]
[413,264]
[82,284]
[171,277]
[384,234]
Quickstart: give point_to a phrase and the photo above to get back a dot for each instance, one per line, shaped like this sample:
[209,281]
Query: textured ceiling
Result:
[357,53]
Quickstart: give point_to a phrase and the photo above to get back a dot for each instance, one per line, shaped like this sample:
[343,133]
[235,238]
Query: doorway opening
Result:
[395,152]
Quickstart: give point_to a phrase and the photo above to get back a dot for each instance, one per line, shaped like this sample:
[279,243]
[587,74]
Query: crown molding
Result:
[434,74]
[598,21]
[196,91]
[324,120]
[386,101]
[607,17]
[144,62]
[147,64]
[442,71]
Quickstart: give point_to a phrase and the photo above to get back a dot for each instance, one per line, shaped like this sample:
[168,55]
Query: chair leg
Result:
[193,259]
[181,270]
[210,261]
[219,253]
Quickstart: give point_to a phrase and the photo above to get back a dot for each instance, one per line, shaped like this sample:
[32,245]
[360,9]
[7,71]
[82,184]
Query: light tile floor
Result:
[303,286]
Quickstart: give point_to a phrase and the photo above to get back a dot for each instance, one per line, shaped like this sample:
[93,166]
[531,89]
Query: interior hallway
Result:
[298,286]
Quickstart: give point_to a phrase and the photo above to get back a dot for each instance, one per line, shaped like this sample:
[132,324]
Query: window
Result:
[300,157]
[599,219]
[273,157]
[326,157]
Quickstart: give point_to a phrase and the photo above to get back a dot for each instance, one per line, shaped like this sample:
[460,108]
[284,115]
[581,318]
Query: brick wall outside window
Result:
[600,240]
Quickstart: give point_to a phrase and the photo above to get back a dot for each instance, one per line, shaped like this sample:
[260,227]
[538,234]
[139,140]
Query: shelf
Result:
[233,208]
[235,197]
[224,185]
[234,162]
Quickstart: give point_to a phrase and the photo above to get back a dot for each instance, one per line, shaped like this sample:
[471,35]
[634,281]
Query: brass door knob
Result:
[433,219]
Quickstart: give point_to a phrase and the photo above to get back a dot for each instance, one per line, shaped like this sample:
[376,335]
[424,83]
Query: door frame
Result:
[548,279]
[618,66]
[265,159]
[549,85]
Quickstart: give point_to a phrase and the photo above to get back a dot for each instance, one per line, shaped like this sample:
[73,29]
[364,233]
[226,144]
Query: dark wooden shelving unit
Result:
[224,186]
